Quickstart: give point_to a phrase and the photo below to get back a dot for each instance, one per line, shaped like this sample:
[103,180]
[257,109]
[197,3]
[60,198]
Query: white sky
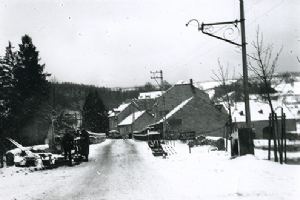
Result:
[118,42]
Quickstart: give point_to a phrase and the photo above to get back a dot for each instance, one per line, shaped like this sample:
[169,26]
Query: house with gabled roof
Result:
[135,122]
[118,114]
[195,115]
[176,95]
[260,112]
[186,108]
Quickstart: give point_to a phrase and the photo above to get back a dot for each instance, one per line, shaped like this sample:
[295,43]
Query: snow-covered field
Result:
[201,174]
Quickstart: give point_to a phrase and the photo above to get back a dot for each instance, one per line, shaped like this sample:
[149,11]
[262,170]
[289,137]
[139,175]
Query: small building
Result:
[150,95]
[260,112]
[135,122]
[117,115]
[145,102]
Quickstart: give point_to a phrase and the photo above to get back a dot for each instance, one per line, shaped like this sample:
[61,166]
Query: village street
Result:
[116,170]
[126,169]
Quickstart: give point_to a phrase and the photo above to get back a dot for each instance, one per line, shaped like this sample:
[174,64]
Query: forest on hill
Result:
[235,89]
[71,96]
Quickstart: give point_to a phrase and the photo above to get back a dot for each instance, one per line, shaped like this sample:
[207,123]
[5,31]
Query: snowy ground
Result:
[121,169]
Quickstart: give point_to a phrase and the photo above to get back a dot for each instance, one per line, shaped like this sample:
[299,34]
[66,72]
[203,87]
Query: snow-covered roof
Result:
[111,113]
[122,107]
[288,88]
[181,82]
[117,110]
[131,118]
[259,111]
[150,95]
[207,85]
[71,112]
[176,109]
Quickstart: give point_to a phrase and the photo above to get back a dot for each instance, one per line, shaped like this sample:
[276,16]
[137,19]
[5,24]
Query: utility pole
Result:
[159,75]
[208,29]
[245,68]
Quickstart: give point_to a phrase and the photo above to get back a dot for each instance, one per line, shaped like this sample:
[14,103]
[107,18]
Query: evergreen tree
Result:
[95,116]
[30,86]
[6,87]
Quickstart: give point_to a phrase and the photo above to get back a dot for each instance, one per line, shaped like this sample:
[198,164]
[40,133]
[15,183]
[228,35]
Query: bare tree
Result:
[263,64]
[222,77]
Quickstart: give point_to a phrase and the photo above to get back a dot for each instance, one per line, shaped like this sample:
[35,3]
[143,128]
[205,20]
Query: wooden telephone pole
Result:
[159,75]
[245,68]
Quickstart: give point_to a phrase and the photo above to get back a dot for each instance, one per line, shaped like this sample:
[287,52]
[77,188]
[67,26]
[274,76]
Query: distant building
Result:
[117,115]
[260,112]
[150,95]
[135,122]
[289,94]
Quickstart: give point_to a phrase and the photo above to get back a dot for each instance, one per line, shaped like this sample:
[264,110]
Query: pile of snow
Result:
[40,148]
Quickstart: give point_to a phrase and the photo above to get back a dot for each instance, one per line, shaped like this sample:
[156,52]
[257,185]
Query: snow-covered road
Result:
[116,170]
[126,169]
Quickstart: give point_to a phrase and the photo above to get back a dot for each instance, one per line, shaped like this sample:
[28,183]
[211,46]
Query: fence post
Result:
[274,138]
[269,139]
[278,138]
[284,130]
[282,135]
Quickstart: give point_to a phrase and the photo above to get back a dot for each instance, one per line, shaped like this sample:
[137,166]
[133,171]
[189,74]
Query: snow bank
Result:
[206,174]
[22,184]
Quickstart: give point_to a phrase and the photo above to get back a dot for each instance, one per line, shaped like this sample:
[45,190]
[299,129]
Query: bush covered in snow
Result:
[217,142]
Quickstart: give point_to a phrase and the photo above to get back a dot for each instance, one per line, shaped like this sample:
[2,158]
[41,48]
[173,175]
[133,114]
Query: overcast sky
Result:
[118,42]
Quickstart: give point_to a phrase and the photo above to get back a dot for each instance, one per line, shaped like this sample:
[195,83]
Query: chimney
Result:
[191,82]
[192,86]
